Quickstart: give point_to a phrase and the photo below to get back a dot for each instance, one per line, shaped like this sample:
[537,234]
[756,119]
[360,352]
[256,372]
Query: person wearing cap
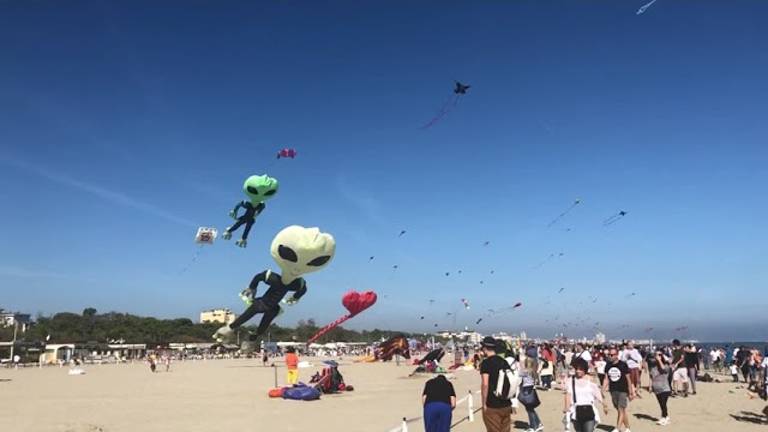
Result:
[497,412]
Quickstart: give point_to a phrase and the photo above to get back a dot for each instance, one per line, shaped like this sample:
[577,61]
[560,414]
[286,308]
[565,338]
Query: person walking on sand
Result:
[497,411]
[581,393]
[631,356]
[439,401]
[620,386]
[680,374]
[691,365]
[659,372]
[292,364]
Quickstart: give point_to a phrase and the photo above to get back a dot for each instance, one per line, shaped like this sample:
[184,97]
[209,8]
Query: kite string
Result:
[328,328]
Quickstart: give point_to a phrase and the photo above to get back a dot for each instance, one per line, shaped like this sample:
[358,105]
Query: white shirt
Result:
[714,355]
[632,358]
[584,355]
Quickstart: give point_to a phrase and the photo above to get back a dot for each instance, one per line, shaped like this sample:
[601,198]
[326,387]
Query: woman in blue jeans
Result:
[439,400]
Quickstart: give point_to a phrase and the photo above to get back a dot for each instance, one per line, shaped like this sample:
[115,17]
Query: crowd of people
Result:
[590,377]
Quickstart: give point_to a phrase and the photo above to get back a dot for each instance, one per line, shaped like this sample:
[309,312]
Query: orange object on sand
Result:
[276,392]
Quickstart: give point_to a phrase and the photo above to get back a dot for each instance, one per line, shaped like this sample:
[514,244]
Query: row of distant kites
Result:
[616,217]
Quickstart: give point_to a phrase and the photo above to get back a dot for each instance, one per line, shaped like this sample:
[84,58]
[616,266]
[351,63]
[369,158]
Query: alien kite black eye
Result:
[321,260]
[270,192]
[253,190]
[287,253]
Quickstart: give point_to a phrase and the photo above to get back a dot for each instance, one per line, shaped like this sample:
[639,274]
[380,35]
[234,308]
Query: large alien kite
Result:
[355,303]
[258,189]
[448,106]
[298,251]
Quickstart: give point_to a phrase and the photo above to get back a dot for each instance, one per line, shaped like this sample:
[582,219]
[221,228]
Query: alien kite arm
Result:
[233,212]
[299,292]
[253,308]
[261,277]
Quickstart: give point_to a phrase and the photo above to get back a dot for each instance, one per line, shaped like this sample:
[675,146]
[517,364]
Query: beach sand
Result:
[231,395]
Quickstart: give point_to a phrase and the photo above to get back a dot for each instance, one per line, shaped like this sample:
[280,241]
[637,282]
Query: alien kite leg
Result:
[298,251]
[258,189]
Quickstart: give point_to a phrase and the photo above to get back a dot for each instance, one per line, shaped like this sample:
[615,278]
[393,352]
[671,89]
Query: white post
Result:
[471,405]
[404,428]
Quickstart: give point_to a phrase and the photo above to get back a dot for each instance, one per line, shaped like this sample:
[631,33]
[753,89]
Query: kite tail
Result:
[443,111]
[328,328]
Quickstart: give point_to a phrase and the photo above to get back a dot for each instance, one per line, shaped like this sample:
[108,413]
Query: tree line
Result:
[91,327]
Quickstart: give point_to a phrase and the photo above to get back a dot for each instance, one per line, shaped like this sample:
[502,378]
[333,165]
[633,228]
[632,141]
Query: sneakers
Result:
[539,429]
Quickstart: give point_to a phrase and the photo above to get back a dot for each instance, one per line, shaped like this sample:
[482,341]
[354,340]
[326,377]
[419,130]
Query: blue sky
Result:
[124,127]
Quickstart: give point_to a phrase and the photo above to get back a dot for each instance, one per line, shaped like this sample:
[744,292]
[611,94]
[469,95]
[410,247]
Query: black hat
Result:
[489,342]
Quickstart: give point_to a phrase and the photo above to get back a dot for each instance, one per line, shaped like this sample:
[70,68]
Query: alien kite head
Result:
[298,251]
[260,188]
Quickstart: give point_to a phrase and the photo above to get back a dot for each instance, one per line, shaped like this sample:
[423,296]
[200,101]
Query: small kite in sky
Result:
[478,321]
[486,243]
[286,153]
[492,271]
[560,290]
[563,214]
[458,91]
[447,273]
[615,218]
[465,302]
[370,259]
[394,267]
[645,7]
[517,305]
[401,233]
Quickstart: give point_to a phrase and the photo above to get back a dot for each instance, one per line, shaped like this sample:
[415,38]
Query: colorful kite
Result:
[355,303]
[258,189]
[286,153]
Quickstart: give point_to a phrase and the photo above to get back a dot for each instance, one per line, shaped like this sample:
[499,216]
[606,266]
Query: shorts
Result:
[293,376]
[680,375]
[620,399]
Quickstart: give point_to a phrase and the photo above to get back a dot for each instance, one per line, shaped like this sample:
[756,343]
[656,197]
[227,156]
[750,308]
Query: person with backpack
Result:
[439,400]
[581,393]
[498,387]
[530,400]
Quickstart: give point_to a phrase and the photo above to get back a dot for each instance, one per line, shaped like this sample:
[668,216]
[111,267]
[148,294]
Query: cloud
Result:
[105,194]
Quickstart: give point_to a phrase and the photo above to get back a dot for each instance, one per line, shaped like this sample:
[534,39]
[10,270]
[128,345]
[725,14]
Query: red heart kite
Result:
[355,303]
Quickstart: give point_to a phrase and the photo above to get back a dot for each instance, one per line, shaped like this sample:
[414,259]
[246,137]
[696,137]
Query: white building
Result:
[222,316]
[599,338]
[10,319]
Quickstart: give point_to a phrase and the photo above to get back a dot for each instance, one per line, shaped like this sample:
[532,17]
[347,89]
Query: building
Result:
[10,319]
[222,316]
[599,338]
[523,335]
[471,337]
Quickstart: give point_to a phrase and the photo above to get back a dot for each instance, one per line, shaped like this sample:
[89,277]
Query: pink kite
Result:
[286,153]
[355,303]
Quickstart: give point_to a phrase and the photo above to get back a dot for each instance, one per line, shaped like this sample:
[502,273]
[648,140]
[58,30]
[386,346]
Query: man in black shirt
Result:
[439,399]
[620,386]
[496,411]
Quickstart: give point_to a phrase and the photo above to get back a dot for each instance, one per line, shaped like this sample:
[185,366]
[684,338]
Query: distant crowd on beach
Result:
[591,376]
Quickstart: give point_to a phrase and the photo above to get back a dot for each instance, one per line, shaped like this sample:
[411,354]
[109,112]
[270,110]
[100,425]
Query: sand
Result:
[230,395]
